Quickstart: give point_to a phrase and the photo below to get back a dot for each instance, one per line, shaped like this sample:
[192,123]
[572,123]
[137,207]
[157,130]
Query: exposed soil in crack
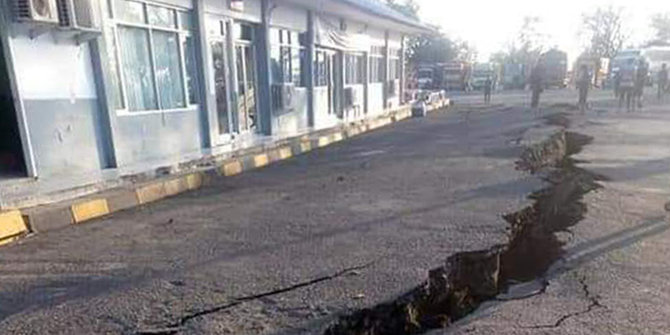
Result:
[467,279]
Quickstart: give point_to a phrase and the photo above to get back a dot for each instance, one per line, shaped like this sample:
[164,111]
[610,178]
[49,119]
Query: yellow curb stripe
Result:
[337,137]
[11,224]
[261,160]
[8,240]
[232,168]
[174,187]
[285,153]
[324,141]
[150,193]
[193,181]
[305,146]
[88,210]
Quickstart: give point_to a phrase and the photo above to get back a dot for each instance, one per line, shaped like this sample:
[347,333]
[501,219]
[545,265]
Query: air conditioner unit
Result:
[79,14]
[350,97]
[282,96]
[38,11]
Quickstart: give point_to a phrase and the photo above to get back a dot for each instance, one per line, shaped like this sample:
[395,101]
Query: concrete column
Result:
[403,69]
[309,68]
[366,83]
[263,53]
[100,61]
[208,114]
[385,75]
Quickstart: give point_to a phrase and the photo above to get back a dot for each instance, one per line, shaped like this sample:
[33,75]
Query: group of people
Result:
[629,83]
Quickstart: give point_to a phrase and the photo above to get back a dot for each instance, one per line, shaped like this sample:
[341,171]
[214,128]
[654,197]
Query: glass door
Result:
[245,68]
[220,87]
[216,30]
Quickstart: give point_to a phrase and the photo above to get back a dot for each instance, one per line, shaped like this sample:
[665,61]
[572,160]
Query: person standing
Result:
[627,75]
[662,81]
[583,85]
[488,87]
[536,86]
[641,77]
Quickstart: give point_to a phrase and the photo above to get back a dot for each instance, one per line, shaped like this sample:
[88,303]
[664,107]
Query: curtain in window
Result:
[168,70]
[139,80]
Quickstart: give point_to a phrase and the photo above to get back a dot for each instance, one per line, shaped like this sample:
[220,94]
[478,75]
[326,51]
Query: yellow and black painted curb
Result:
[15,223]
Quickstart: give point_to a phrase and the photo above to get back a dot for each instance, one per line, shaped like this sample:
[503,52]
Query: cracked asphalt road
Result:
[277,250]
[403,197]
[614,276]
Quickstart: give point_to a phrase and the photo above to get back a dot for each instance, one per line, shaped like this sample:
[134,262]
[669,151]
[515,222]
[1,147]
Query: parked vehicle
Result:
[485,71]
[555,65]
[599,78]
[457,76]
[450,76]
[514,76]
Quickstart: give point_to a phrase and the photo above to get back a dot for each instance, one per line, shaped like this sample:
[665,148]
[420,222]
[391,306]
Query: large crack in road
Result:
[468,279]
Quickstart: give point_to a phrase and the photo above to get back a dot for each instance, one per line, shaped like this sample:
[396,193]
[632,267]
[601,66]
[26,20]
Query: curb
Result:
[16,223]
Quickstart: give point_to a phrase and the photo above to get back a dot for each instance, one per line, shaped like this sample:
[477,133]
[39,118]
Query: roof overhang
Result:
[356,10]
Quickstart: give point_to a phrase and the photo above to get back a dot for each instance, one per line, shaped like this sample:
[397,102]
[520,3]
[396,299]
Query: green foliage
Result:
[605,31]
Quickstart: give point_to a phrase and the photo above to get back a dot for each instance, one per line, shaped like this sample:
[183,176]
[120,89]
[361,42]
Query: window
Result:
[394,64]
[322,60]
[377,64]
[354,66]
[287,54]
[152,58]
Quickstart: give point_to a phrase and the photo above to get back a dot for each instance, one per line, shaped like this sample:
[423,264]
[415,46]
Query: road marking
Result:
[305,146]
[261,160]
[337,137]
[324,141]
[285,153]
[150,193]
[232,168]
[11,224]
[174,187]
[88,210]
[193,181]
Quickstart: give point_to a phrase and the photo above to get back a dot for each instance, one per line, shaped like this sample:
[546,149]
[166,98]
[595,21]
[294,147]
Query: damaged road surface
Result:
[298,247]
[467,279]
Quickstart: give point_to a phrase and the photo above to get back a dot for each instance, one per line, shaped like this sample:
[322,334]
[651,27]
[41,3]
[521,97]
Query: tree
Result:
[605,32]
[527,47]
[407,7]
[431,48]
[604,29]
[660,23]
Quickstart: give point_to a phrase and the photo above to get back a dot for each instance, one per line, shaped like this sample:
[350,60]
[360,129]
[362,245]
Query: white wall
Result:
[47,69]
[251,13]
[288,17]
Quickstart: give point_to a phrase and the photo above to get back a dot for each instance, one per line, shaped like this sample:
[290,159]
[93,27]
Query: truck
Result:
[555,65]
[481,72]
[514,76]
[457,76]
[592,63]
[444,76]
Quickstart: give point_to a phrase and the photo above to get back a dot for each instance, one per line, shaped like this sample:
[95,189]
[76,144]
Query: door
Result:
[12,162]
[220,86]
[245,77]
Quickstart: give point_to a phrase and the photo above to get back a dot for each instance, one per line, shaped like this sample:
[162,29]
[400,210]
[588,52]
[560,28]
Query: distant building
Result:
[96,90]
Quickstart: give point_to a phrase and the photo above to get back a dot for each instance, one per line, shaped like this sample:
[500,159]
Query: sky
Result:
[492,24]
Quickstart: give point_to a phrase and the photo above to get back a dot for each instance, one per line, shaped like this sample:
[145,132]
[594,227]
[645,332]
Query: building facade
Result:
[124,86]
